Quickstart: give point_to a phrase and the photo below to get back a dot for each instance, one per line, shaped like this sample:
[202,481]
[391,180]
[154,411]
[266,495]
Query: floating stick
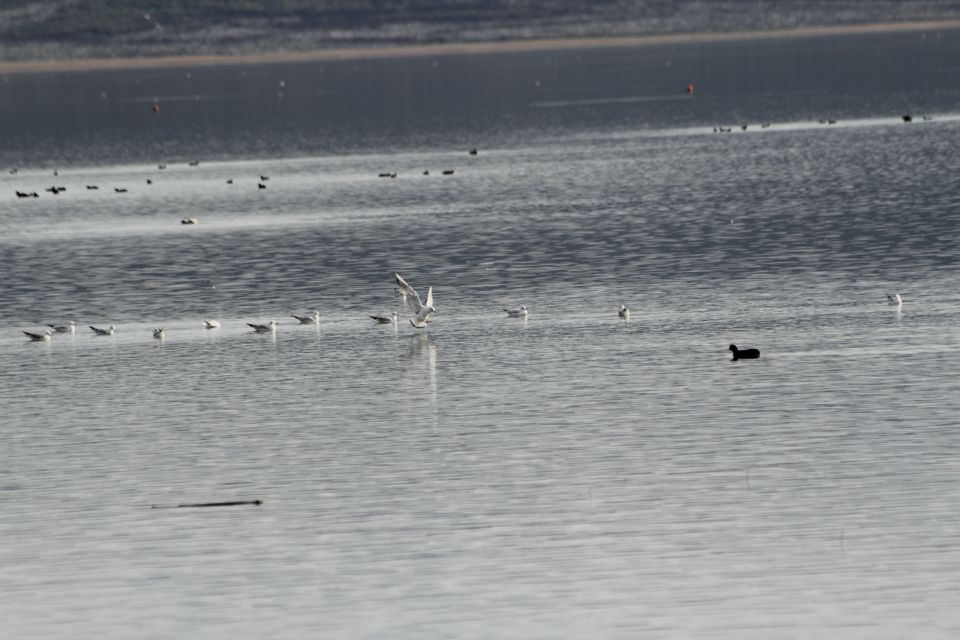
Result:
[211,504]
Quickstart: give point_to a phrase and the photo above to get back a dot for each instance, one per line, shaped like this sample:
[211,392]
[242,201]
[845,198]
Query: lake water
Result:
[568,475]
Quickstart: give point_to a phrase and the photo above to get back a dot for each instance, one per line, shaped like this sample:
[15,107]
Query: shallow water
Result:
[570,475]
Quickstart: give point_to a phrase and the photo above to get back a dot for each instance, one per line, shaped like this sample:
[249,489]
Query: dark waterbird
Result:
[744,354]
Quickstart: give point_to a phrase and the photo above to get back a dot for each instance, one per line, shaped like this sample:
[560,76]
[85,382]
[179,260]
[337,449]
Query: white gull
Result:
[391,319]
[104,332]
[264,328]
[64,328]
[421,309]
[313,318]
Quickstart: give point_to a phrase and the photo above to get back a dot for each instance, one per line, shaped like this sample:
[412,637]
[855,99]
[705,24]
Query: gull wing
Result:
[410,295]
[429,302]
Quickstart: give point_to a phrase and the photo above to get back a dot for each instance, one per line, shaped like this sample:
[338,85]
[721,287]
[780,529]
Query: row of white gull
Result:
[421,309]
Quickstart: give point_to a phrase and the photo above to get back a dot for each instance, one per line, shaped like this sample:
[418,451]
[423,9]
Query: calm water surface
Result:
[570,475]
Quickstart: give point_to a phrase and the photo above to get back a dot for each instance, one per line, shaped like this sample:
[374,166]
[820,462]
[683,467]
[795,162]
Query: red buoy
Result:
[156,106]
[690,89]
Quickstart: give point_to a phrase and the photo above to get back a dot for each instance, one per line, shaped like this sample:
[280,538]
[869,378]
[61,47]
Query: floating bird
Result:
[39,337]
[230,181]
[149,181]
[27,194]
[211,324]
[194,163]
[264,328]
[519,312]
[260,185]
[161,167]
[473,151]
[119,190]
[313,318]
[188,221]
[104,332]
[71,327]
[744,354]
[448,172]
[624,312]
[907,118]
[894,300]
[264,178]
[391,319]
[421,309]
[91,187]
[426,172]
[158,333]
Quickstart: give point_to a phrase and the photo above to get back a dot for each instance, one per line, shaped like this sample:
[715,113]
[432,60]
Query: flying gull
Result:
[420,309]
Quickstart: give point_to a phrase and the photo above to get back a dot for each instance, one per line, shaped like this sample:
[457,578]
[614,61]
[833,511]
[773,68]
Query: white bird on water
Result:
[624,312]
[313,318]
[70,328]
[211,324]
[39,337]
[519,312]
[264,328]
[391,319]
[895,300]
[104,332]
[421,309]
[158,333]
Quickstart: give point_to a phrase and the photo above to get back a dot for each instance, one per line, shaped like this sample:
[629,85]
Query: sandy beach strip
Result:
[467,48]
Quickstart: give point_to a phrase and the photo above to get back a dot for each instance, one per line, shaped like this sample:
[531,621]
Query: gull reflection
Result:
[422,357]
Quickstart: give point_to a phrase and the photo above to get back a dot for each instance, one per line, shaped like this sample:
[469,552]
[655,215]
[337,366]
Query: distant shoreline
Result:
[466,48]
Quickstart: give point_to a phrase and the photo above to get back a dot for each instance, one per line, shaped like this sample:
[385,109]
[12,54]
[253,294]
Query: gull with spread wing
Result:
[420,309]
